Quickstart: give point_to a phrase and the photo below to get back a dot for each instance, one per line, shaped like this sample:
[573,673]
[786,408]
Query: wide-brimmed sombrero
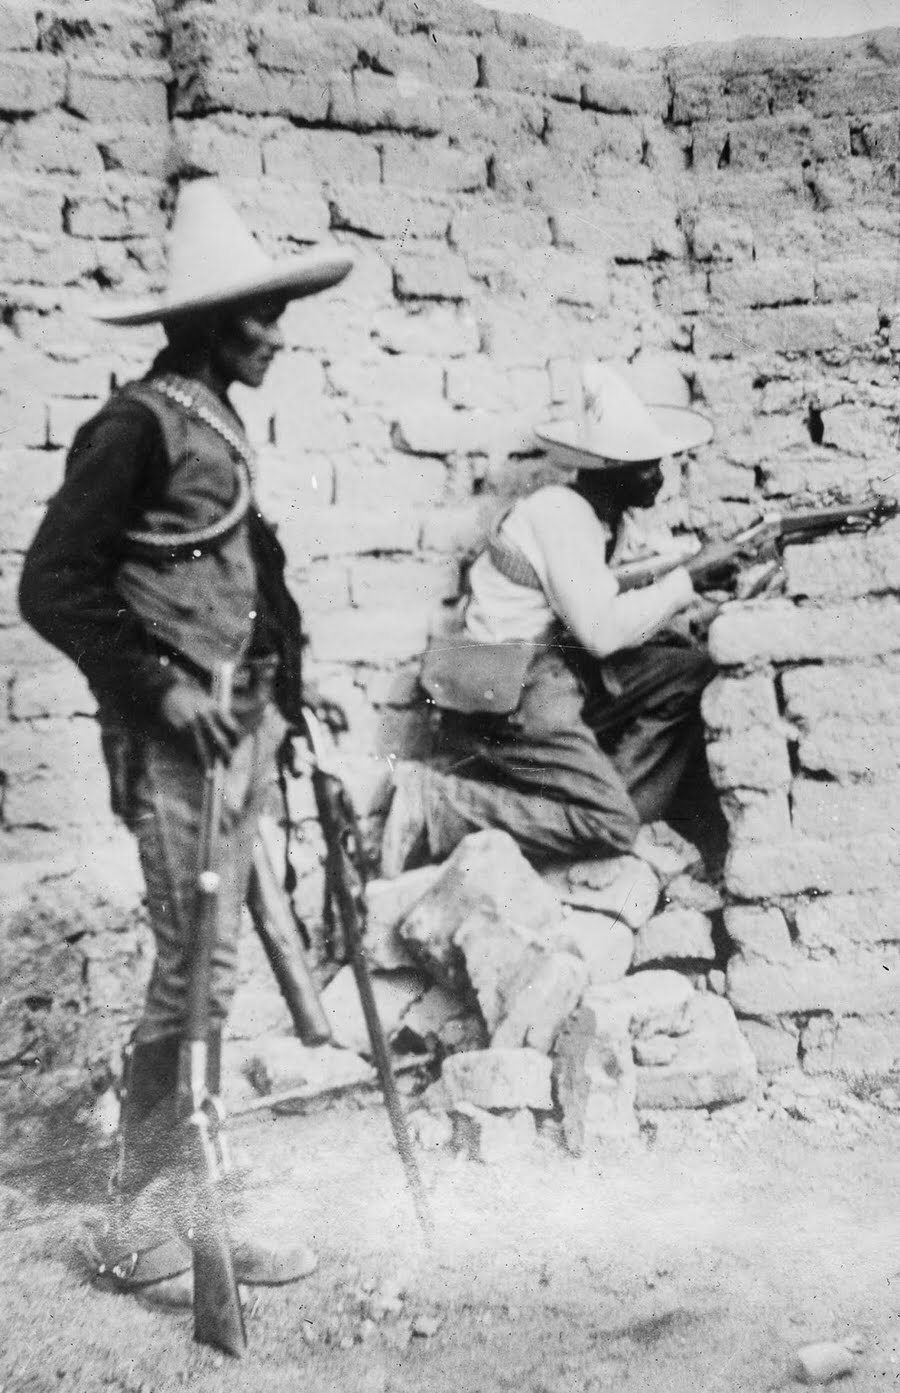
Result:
[618,428]
[214,262]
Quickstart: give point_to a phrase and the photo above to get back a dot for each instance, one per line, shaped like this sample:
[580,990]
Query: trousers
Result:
[157,789]
[595,749]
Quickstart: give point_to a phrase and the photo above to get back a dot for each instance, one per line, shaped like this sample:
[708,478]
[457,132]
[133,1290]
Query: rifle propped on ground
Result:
[717,560]
[218,1318]
[280,935]
[345,880]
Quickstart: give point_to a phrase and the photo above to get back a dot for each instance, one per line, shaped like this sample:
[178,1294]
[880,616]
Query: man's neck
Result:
[198,367]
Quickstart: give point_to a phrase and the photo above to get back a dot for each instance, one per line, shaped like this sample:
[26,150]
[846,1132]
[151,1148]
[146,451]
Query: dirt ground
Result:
[695,1260]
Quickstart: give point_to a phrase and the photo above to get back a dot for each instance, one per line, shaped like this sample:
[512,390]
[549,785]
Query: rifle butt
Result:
[218,1317]
[277,930]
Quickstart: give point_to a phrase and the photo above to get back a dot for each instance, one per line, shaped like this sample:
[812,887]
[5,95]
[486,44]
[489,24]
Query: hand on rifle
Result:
[191,712]
[717,559]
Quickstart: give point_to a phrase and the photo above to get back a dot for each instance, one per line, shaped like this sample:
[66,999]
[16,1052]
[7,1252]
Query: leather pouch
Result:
[460,673]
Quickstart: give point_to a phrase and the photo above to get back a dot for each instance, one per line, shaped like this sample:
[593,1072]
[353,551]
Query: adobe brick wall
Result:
[725,218]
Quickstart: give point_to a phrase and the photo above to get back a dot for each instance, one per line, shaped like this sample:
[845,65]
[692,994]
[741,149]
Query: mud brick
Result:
[58,690]
[201,34]
[854,278]
[627,220]
[432,275]
[64,417]
[593,138]
[111,212]
[850,748]
[879,138]
[800,865]
[442,16]
[714,237]
[459,529]
[51,143]
[755,758]
[311,48]
[436,431]
[378,213]
[754,816]
[349,531]
[23,416]
[481,383]
[846,566]
[499,121]
[364,636]
[329,156]
[764,283]
[777,631]
[440,331]
[848,983]
[220,144]
[367,101]
[519,70]
[30,82]
[483,225]
[388,378]
[432,165]
[811,694]
[30,478]
[341,9]
[792,329]
[758,932]
[17,27]
[739,704]
[37,259]
[254,91]
[273,209]
[448,63]
[111,92]
[863,88]
[774,1046]
[376,583]
[31,203]
[624,91]
[831,923]
[853,1047]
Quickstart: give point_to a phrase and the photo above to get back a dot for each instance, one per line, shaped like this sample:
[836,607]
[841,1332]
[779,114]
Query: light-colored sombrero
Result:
[214,262]
[617,428]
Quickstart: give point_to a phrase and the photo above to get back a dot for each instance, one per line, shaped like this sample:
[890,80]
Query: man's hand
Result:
[329,712]
[191,712]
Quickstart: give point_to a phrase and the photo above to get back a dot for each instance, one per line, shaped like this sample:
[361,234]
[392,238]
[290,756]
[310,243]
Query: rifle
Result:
[218,1318]
[717,559]
[279,934]
[345,880]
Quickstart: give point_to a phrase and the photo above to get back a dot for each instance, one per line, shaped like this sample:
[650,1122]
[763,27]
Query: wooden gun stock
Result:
[279,934]
[218,1318]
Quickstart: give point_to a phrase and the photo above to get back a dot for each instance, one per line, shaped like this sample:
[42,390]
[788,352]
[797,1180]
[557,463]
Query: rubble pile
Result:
[571,997]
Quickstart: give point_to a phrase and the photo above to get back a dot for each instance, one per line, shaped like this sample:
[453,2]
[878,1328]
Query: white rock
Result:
[665,850]
[647,1003]
[605,944]
[713,1063]
[684,890]
[505,1079]
[394,993]
[539,1008]
[387,904]
[623,887]
[675,935]
[492,1137]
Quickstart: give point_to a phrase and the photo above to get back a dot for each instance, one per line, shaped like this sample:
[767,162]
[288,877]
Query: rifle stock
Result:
[278,932]
[218,1318]
[717,557]
[345,882]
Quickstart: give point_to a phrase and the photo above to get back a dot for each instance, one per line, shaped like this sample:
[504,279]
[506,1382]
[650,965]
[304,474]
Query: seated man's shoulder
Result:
[555,506]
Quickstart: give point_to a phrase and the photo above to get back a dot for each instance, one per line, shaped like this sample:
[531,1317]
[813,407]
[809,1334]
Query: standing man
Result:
[151,568]
[569,713]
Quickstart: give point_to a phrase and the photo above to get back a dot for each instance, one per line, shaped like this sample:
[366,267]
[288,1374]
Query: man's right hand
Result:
[191,712]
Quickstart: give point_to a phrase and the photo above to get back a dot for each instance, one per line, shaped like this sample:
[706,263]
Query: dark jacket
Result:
[134,625]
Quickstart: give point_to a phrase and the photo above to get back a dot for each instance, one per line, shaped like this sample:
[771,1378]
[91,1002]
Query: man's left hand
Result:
[330,713]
